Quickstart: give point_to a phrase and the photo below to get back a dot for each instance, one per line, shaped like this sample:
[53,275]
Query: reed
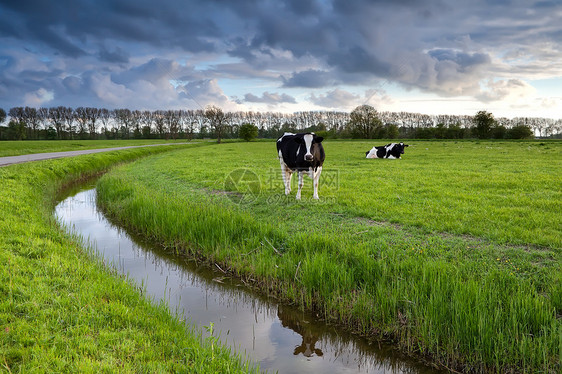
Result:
[448,258]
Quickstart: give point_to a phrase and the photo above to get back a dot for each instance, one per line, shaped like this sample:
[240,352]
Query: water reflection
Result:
[294,320]
[280,338]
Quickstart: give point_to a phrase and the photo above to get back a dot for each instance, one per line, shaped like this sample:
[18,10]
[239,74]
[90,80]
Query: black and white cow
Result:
[300,153]
[392,150]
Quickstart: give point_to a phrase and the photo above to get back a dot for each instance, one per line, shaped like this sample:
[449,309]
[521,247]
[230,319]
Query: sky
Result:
[433,57]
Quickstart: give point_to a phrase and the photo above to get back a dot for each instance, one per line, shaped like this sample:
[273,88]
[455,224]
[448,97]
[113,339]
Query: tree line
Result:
[212,122]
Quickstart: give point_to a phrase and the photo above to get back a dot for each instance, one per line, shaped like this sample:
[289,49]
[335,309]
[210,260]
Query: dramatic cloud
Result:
[286,54]
[309,79]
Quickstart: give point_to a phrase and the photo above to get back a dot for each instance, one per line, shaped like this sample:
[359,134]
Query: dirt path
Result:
[5,161]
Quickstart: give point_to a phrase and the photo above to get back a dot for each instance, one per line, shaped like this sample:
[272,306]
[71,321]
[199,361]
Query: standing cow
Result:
[300,153]
[392,150]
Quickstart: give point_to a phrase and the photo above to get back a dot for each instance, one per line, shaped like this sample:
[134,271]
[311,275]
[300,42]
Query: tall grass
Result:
[61,310]
[471,302]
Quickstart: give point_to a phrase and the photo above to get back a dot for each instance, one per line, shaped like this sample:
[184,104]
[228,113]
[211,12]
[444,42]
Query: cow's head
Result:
[372,153]
[309,140]
[400,147]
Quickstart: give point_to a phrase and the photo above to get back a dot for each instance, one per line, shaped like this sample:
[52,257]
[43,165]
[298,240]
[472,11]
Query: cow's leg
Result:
[301,183]
[315,182]
[286,174]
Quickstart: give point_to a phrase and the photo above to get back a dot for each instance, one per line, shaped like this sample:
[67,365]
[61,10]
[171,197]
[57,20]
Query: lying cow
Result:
[392,150]
[300,153]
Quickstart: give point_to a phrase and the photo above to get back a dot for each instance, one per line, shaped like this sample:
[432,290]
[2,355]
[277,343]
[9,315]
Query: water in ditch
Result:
[280,338]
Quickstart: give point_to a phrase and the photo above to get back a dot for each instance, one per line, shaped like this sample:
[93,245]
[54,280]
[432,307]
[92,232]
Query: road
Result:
[10,160]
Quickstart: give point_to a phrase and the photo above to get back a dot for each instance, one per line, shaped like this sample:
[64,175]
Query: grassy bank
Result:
[19,147]
[61,310]
[443,251]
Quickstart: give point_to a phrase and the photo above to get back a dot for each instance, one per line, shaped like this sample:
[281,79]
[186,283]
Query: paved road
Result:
[5,161]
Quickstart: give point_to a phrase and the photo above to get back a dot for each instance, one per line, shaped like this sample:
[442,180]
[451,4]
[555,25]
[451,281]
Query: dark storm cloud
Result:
[63,25]
[74,48]
[309,79]
[118,55]
[462,59]
[154,70]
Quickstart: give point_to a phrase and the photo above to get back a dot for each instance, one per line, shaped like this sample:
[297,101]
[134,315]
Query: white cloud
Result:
[511,90]
[336,99]
[38,98]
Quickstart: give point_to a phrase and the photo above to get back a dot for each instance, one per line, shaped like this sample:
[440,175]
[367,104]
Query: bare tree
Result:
[136,123]
[16,114]
[32,120]
[125,119]
[18,119]
[43,114]
[218,120]
[82,118]
[160,122]
[146,119]
[92,114]
[172,121]
[56,119]
[104,116]
[67,115]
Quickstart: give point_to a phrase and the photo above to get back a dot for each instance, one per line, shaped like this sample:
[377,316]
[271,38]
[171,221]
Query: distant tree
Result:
[392,131]
[484,122]
[125,119]
[136,123]
[43,114]
[364,122]
[160,122]
[147,118]
[190,120]
[17,123]
[498,131]
[68,119]
[248,132]
[520,132]
[50,133]
[173,122]
[56,119]
[288,127]
[104,116]
[218,120]
[146,132]
[93,114]
[33,121]
[2,116]
[82,119]
[455,131]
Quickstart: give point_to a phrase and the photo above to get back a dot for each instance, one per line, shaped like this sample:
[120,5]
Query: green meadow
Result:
[61,309]
[452,252]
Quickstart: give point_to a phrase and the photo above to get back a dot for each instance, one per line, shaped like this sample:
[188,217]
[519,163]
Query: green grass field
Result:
[18,147]
[453,251]
[61,310]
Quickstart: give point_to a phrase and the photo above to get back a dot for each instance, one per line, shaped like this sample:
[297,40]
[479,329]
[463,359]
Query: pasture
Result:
[453,251]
